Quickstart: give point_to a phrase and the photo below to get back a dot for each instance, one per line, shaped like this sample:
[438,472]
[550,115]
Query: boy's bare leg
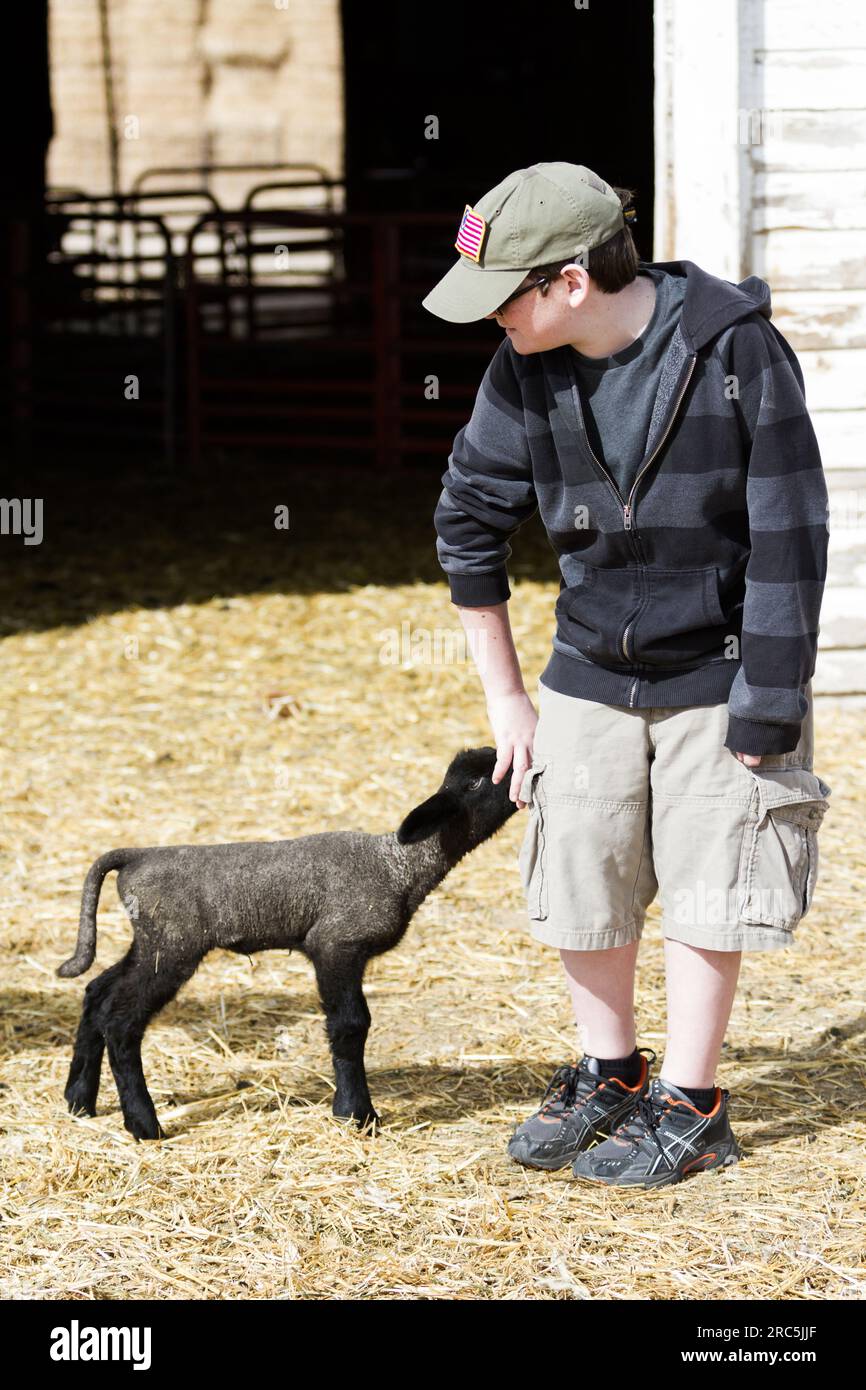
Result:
[601,984]
[701,986]
[700,991]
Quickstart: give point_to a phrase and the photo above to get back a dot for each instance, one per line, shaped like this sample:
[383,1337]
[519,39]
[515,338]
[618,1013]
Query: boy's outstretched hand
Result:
[750,759]
[512,719]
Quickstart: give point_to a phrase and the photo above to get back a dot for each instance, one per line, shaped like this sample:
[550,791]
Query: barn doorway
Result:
[571,83]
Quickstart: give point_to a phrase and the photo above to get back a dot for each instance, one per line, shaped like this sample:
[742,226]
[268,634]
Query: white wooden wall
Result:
[760,127]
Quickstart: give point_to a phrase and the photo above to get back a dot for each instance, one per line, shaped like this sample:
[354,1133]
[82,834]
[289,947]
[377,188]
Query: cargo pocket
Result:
[532,860]
[779,860]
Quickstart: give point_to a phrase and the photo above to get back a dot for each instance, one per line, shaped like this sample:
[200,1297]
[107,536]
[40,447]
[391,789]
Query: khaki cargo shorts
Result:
[624,803]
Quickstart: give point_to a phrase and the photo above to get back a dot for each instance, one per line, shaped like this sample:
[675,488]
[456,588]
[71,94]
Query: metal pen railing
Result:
[287,327]
[90,295]
[360,324]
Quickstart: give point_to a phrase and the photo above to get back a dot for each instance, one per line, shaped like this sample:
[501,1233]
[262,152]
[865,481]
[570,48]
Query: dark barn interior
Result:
[249,385]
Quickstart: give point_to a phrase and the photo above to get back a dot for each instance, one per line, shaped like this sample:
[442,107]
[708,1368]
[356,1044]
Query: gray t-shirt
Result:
[617,393]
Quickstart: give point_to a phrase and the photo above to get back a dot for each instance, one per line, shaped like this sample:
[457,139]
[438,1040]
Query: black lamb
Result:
[339,897]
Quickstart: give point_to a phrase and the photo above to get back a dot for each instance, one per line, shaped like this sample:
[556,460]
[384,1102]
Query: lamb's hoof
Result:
[363,1118]
[80,1102]
[144,1128]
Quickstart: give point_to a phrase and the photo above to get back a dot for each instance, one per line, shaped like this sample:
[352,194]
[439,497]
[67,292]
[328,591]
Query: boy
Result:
[657,419]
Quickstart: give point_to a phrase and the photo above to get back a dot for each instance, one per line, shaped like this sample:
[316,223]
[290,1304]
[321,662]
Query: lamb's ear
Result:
[427,818]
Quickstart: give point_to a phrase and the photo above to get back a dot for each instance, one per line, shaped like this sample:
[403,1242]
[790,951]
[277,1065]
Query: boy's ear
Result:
[427,818]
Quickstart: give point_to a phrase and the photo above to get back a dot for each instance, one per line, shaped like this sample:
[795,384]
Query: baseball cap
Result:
[535,216]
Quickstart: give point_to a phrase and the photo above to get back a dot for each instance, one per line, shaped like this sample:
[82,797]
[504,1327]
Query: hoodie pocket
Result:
[658,617]
[680,617]
[593,614]
[532,859]
[779,859]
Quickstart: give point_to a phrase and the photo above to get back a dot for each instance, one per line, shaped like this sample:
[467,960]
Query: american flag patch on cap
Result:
[470,237]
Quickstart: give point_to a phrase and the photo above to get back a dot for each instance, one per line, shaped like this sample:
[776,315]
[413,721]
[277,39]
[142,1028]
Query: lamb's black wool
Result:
[340,897]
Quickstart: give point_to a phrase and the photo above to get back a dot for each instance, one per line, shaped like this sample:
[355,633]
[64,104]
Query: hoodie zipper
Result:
[628,511]
[626,507]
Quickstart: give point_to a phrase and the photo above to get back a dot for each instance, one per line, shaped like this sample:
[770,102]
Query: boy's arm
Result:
[786,495]
[488,493]
[488,490]
[511,712]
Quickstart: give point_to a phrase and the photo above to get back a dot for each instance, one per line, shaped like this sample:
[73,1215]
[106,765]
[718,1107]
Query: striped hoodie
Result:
[705,583]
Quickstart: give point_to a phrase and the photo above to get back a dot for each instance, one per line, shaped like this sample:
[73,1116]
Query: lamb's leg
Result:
[138,995]
[339,976]
[82,1084]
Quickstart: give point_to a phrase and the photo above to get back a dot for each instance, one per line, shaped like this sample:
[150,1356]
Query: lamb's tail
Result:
[85,948]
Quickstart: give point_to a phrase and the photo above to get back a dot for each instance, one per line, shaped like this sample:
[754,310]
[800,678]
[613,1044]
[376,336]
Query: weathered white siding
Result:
[808,222]
[761,169]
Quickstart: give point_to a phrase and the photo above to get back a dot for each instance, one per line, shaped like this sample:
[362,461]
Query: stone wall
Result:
[224,81]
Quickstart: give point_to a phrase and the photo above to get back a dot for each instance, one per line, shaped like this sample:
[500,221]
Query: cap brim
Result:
[467,292]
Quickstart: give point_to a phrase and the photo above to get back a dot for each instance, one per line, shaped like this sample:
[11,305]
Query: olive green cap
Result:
[535,216]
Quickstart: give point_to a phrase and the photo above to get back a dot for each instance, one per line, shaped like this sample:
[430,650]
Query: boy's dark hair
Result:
[614,264]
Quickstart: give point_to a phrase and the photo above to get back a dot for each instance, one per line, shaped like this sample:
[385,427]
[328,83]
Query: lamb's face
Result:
[468,807]
[470,778]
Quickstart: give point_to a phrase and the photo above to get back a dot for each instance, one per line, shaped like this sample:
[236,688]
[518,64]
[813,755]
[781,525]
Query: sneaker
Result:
[664,1140]
[578,1107]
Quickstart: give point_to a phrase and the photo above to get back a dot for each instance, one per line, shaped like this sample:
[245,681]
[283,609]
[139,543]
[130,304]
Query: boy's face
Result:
[537,322]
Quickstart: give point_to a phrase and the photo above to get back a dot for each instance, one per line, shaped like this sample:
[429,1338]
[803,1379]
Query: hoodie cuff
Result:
[479,590]
[752,736]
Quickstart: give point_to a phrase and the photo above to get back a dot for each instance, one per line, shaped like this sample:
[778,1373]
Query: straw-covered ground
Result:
[175,670]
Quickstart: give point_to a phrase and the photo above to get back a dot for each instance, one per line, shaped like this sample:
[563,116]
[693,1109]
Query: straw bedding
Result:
[182,673]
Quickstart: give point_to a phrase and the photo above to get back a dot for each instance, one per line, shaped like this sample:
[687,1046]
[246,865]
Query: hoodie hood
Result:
[712,304]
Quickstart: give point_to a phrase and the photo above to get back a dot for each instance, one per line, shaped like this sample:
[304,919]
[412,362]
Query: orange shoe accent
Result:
[643,1076]
[703,1113]
[635,1087]
[703,1158]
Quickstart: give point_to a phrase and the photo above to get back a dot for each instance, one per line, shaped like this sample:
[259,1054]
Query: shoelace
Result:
[642,1124]
[565,1084]
[563,1087]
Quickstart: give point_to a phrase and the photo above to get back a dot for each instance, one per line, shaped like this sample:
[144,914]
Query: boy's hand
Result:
[513,719]
[750,759]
